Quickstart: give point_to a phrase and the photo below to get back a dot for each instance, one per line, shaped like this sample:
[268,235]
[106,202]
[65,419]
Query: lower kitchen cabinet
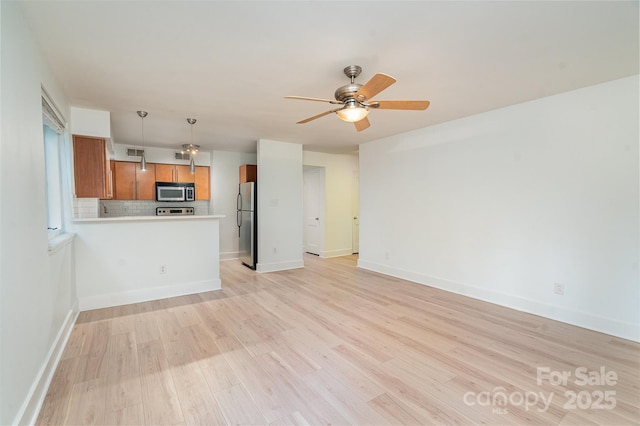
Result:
[131,183]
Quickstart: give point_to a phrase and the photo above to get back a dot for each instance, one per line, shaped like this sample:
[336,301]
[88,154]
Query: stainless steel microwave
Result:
[175,191]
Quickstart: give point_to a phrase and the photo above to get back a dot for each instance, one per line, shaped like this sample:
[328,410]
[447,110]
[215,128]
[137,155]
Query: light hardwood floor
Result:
[333,344]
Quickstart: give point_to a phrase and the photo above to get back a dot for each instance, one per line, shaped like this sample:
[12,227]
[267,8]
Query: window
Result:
[53,129]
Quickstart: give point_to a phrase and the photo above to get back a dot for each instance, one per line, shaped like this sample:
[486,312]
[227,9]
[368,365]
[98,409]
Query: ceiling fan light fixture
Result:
[352,112]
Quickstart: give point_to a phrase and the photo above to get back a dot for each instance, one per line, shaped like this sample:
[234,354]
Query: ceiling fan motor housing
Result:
[347,92]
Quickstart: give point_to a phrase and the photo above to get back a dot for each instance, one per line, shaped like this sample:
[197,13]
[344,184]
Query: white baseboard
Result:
[31,406]
[147,294]
[230,255]
[336,253]
[279,266]
[610,326]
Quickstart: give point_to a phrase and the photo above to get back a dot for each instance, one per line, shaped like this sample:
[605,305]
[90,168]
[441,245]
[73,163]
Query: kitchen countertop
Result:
[146,218]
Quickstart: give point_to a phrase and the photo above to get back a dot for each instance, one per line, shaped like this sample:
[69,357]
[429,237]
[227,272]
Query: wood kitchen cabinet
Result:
[92,174]
[202,179]
[182,173]
[146,182]
[248,173]
[174,173]
[131,183]
[166,173]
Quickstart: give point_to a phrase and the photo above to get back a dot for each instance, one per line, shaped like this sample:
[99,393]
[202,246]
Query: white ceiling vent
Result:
[135,152]
[181,156]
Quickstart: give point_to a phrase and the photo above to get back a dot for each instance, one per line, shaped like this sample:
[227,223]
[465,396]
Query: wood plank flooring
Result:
[333,344]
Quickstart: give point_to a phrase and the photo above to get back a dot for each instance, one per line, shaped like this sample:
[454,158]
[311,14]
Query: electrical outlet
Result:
[386,255]
[163,268]
[558,288]
[275,250]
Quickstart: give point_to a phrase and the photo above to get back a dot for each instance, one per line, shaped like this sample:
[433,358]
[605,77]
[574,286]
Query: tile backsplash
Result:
[113,208]
[85,208]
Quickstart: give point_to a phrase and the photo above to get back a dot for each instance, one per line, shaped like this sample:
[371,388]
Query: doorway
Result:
[314,209]
[355,226]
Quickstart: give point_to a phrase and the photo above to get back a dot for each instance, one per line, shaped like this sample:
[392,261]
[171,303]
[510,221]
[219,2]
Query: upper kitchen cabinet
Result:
[166,173]
[248,173]
[182,173]
[203,188]
[91,130]
[146,182]
[92,173]
[174,173]
[131,183]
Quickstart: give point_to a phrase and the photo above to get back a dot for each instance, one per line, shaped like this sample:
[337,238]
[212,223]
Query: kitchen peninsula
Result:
[130,259]
[126,249]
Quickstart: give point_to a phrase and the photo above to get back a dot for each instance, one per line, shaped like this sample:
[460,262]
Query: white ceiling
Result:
[229,63]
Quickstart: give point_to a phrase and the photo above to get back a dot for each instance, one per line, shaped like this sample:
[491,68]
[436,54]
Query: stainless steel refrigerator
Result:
[248,224]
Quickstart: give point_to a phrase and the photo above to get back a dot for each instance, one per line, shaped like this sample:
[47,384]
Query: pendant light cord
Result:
[143,160]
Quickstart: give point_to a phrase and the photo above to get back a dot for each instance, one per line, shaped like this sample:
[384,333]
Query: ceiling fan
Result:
[354,99]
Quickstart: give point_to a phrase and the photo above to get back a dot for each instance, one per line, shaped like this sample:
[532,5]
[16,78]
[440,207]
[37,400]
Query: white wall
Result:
[225,178]
[37,291]
[502,205]
[339,177]
[90,122]
[119,262]
[280,236]
[159,155]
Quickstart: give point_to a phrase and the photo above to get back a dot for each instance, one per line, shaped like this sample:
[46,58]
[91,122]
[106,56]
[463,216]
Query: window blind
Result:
[51,116]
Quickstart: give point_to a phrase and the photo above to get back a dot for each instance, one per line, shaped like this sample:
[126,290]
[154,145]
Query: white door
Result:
[355,228]
[314,209]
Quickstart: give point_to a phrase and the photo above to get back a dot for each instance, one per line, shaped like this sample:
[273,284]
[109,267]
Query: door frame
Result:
[319,197]
[355,208]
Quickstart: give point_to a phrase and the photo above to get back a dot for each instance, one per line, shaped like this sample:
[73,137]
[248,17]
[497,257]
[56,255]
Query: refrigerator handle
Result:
[239,212]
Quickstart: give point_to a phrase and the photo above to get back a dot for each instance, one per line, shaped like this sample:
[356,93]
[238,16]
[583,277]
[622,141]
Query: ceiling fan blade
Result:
[362,124]
[322,114]
[407,105]
[304,98]
[377,84]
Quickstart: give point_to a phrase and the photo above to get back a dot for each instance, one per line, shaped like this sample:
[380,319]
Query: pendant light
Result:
[191,148]
[143,160]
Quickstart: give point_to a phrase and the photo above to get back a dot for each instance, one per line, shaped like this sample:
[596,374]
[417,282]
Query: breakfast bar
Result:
[130,259]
